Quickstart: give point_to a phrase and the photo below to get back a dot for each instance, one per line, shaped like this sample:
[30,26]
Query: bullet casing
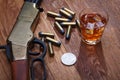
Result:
[59,27]
[68,23]
[50,49]
[53,14]
[43,39]
[66,14]
[78,25]
[53,41]
[68,34]
[46,34]
[62,19]
[69,11]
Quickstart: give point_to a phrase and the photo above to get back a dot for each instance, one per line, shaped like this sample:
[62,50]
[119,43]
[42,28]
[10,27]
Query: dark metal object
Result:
[68,34]
[37,4]
[62,19]
[59,27]
[37,59]
[53,14]
[8,50]
[55,42]
[50,49]
[66,14]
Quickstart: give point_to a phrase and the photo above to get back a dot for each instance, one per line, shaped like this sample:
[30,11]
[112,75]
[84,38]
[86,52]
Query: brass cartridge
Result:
[78,26]
[66,14]
[44,34]
[59,27]
[68,34]
[68,23]
[53,14]
[50,49]
[69,11]
[62,19]
[53,41]
[43,39]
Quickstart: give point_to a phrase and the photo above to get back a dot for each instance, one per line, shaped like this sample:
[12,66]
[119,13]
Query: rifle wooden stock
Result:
[20,70]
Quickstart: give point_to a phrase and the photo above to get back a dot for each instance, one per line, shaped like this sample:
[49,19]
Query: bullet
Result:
[68,34]
[50,49]
[53,14]
[59,27]
[69,11]
[62,19]
[53,41]
[66,14]
[68,23]
[43,39]
[44,34]
[78,26]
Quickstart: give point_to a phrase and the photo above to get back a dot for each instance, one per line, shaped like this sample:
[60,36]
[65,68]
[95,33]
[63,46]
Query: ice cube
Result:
[99,24]
[90,26]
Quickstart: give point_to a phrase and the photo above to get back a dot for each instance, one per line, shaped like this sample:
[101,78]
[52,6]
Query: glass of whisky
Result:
[93,22]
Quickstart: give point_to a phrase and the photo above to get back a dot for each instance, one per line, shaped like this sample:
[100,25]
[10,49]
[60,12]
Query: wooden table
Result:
[100,62]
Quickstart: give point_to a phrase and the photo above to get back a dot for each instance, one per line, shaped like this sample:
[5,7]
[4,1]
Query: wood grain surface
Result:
[100,62]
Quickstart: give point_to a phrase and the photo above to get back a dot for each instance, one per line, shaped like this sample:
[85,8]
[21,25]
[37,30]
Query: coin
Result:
[68,59]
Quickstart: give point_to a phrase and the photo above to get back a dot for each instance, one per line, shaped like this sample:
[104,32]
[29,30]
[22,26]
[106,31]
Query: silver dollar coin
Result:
[68,59]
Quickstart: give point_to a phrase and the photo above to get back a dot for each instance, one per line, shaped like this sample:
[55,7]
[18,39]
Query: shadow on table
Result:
[91,63]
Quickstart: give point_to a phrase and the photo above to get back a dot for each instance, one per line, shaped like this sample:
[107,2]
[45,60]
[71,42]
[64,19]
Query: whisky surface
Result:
[92,26]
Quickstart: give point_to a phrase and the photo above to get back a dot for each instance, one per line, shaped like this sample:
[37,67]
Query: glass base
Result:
[89,42]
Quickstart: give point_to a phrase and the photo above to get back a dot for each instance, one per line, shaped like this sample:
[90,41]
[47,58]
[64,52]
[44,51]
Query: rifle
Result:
[20,37]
